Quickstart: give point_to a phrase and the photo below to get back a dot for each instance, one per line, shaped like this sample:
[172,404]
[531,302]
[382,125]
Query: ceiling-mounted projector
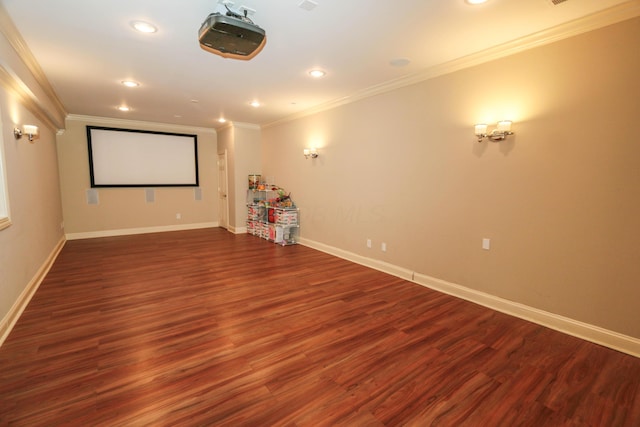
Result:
[231,36]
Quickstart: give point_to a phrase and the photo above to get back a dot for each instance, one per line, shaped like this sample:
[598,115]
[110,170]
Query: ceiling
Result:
[86,48]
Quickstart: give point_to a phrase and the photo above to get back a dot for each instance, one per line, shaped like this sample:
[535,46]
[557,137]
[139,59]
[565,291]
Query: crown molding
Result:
[14,85]
[13,36]
[613,15]
[238,125]
[138,123]
[242,125]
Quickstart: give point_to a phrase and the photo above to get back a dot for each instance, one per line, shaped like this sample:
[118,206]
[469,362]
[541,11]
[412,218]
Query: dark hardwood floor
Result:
[204,328]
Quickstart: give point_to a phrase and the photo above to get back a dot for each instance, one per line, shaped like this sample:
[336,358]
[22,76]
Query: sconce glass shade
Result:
[481,129]
[30,131]
[504,125]
[310,152]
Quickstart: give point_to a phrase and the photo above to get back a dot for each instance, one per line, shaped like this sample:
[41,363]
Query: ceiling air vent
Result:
[556,2]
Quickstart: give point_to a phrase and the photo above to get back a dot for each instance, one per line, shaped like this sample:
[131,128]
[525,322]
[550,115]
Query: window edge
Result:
[4,223]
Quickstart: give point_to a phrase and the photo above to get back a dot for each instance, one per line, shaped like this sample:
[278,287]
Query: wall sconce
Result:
[498,134]
[30,131]
[310,152]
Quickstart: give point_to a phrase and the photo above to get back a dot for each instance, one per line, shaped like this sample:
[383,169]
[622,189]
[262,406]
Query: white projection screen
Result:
[137,158]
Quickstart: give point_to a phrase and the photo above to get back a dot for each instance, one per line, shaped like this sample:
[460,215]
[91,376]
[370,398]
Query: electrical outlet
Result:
[178,216]
[486,244]
[383,247]
[369,243]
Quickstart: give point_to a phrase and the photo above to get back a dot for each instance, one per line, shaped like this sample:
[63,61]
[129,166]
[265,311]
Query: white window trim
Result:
[4,223]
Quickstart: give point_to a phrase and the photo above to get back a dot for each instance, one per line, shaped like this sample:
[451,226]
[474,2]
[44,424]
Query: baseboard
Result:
[588,332]
[385,267]
[576,328]
[9,321]
[145,230]
[238,230]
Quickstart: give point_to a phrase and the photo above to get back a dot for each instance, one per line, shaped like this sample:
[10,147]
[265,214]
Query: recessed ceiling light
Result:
[130,83]
[475,1]
[124,108]
[307,4]
[143,27]
[255,104]
[317,73]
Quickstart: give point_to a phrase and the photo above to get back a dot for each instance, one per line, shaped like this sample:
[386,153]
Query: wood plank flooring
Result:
[204,328]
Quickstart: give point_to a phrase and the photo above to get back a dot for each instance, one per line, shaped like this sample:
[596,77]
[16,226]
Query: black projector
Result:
[231,37]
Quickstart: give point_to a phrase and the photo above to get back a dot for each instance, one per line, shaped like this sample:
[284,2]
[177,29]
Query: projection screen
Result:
[137,158]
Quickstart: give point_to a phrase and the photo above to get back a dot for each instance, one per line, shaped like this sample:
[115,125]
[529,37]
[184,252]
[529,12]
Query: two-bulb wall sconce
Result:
[310,153]
[30,131]
[502,130]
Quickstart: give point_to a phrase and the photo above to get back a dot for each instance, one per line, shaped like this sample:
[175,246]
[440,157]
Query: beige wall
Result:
[32,185]
[225,143]
[559,199]
[244,150]
[127,208]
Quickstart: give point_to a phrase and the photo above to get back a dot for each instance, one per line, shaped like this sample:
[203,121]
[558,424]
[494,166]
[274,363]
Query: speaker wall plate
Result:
[92,197]
[150,195]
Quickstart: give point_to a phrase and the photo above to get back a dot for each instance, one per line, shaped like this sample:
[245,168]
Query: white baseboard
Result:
[359,259]
[576,328]
[592,333]
[145,230]
[238,230]
[9,321]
